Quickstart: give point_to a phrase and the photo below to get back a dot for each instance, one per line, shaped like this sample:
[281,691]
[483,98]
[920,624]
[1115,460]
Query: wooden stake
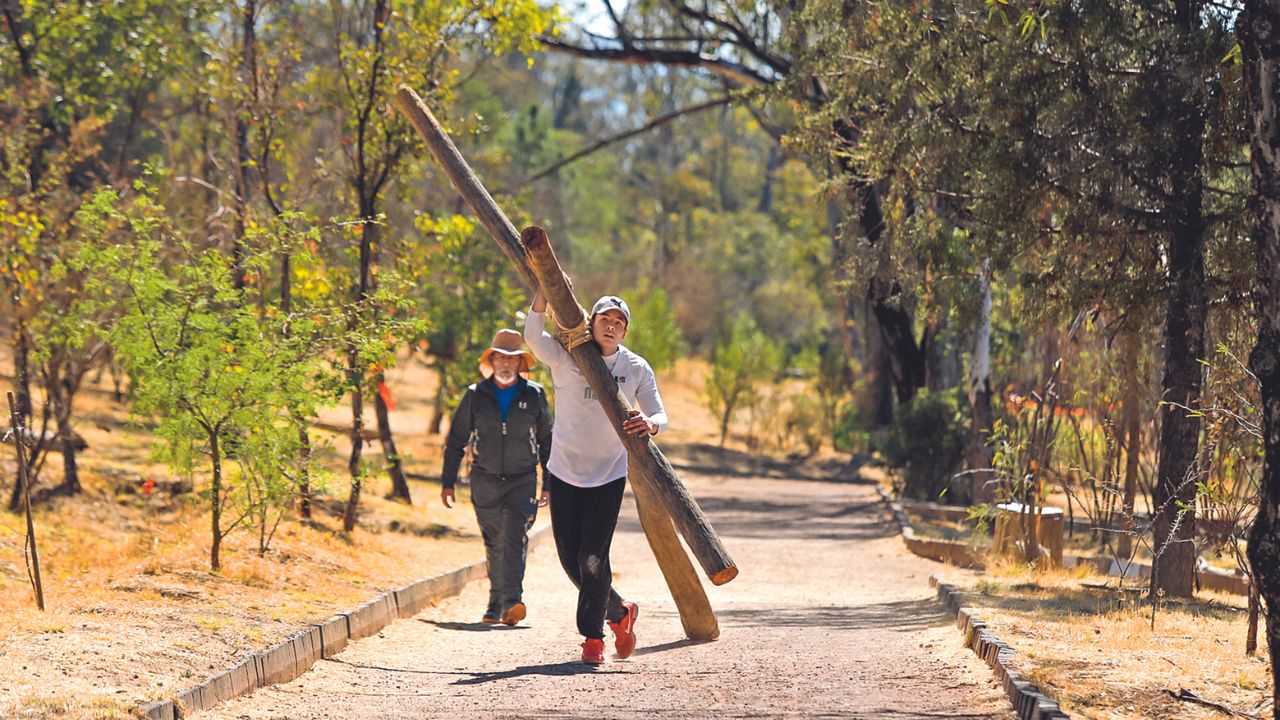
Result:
[696,616]
[653,466]
[18,434]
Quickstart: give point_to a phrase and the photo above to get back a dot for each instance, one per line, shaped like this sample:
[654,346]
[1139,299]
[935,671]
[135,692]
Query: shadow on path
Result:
[673,645]
[799,519]
[561,669]
[899,616]
[706,459]
[475,678]
[472,626]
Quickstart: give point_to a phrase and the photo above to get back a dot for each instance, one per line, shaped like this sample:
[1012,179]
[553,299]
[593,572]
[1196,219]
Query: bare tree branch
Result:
[731,71]
[656,122]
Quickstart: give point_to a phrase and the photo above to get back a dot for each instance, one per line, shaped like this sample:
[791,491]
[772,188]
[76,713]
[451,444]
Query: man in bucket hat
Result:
[587,470]
[508,418]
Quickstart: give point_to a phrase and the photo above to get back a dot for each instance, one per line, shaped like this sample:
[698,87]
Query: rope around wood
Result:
[572,337]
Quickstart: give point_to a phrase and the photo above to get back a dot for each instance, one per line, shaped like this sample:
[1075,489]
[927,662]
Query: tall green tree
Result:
[78,102]
[1062,133]
[371,48]
[220,382]
[1259,32]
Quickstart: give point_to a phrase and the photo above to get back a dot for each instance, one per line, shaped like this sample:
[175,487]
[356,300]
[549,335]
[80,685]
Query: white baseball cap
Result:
[611,302]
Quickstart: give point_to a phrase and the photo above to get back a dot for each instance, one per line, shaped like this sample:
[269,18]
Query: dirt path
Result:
[830,617]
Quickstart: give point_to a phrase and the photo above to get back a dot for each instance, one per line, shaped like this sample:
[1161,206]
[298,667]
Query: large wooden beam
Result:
[696,617]
[655,469]
[466,182]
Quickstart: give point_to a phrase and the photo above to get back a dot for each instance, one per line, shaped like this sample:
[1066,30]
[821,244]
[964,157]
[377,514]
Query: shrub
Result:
[742,359]
[655,335]
[926,441]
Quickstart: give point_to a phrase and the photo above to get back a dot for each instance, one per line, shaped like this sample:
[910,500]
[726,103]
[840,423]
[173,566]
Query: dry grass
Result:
[1095,649]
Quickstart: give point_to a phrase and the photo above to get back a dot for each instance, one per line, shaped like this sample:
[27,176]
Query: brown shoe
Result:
[514,614]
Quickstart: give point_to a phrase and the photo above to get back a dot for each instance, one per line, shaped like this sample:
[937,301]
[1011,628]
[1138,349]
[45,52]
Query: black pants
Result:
[582,520]
[505,508]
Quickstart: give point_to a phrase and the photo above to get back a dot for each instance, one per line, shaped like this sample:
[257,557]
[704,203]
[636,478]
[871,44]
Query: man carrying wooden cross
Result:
[588,465]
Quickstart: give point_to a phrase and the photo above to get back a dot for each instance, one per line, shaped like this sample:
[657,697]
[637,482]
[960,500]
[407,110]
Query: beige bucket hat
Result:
[507,342]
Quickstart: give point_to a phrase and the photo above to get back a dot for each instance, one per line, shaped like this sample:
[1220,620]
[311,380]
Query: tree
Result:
[1061,133]
[743,358]
[206,368]
[374,47]
[1259,31]
[67,132]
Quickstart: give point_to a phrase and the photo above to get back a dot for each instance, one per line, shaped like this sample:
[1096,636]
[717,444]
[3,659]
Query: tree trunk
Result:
[304,471]
[215,503]
[890,313]
[1259,28]
[1173,571]
[355,377]
[438,404]
[22,403]
[1130,346]
[355,369]
[878,391]
[61,393]
[22,374]
[247,77]
[399,485]
[979,454]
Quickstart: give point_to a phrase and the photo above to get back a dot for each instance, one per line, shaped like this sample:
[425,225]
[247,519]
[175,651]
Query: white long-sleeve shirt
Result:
[585,448]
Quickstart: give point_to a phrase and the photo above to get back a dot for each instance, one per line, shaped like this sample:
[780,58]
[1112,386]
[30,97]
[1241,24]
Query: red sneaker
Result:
[593,651]
[624,632]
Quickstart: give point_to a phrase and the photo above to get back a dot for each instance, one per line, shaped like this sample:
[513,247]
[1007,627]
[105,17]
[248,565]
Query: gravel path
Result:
[830,618]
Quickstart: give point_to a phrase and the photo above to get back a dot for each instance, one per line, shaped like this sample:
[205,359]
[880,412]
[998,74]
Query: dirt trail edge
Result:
[831,618]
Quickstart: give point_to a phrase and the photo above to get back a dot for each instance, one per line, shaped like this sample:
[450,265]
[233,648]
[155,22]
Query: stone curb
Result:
[961,555]
[1029,702]
[956,553]
[297,653]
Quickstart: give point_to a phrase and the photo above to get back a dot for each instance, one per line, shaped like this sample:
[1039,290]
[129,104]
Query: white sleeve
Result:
[649,400]
[545,348]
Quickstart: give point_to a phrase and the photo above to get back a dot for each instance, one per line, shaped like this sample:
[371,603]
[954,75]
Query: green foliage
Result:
[459,279]
[271,460]
[653,332]
[217,379]
[743,359]
[927,440]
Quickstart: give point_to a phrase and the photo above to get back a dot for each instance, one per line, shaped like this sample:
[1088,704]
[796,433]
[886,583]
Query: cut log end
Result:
[724,575]
[705,636]
[533,237]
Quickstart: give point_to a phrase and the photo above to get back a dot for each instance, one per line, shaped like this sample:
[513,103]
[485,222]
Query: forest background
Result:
[1016,249]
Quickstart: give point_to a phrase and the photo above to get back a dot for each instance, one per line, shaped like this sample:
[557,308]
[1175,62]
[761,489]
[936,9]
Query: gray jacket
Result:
[502,449]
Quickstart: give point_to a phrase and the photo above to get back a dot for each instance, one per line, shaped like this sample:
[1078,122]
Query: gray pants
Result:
[506,508]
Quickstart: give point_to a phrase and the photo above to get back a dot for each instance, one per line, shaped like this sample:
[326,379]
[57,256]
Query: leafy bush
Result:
[654,333]
[849,431]
[927,440]
[742,359]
